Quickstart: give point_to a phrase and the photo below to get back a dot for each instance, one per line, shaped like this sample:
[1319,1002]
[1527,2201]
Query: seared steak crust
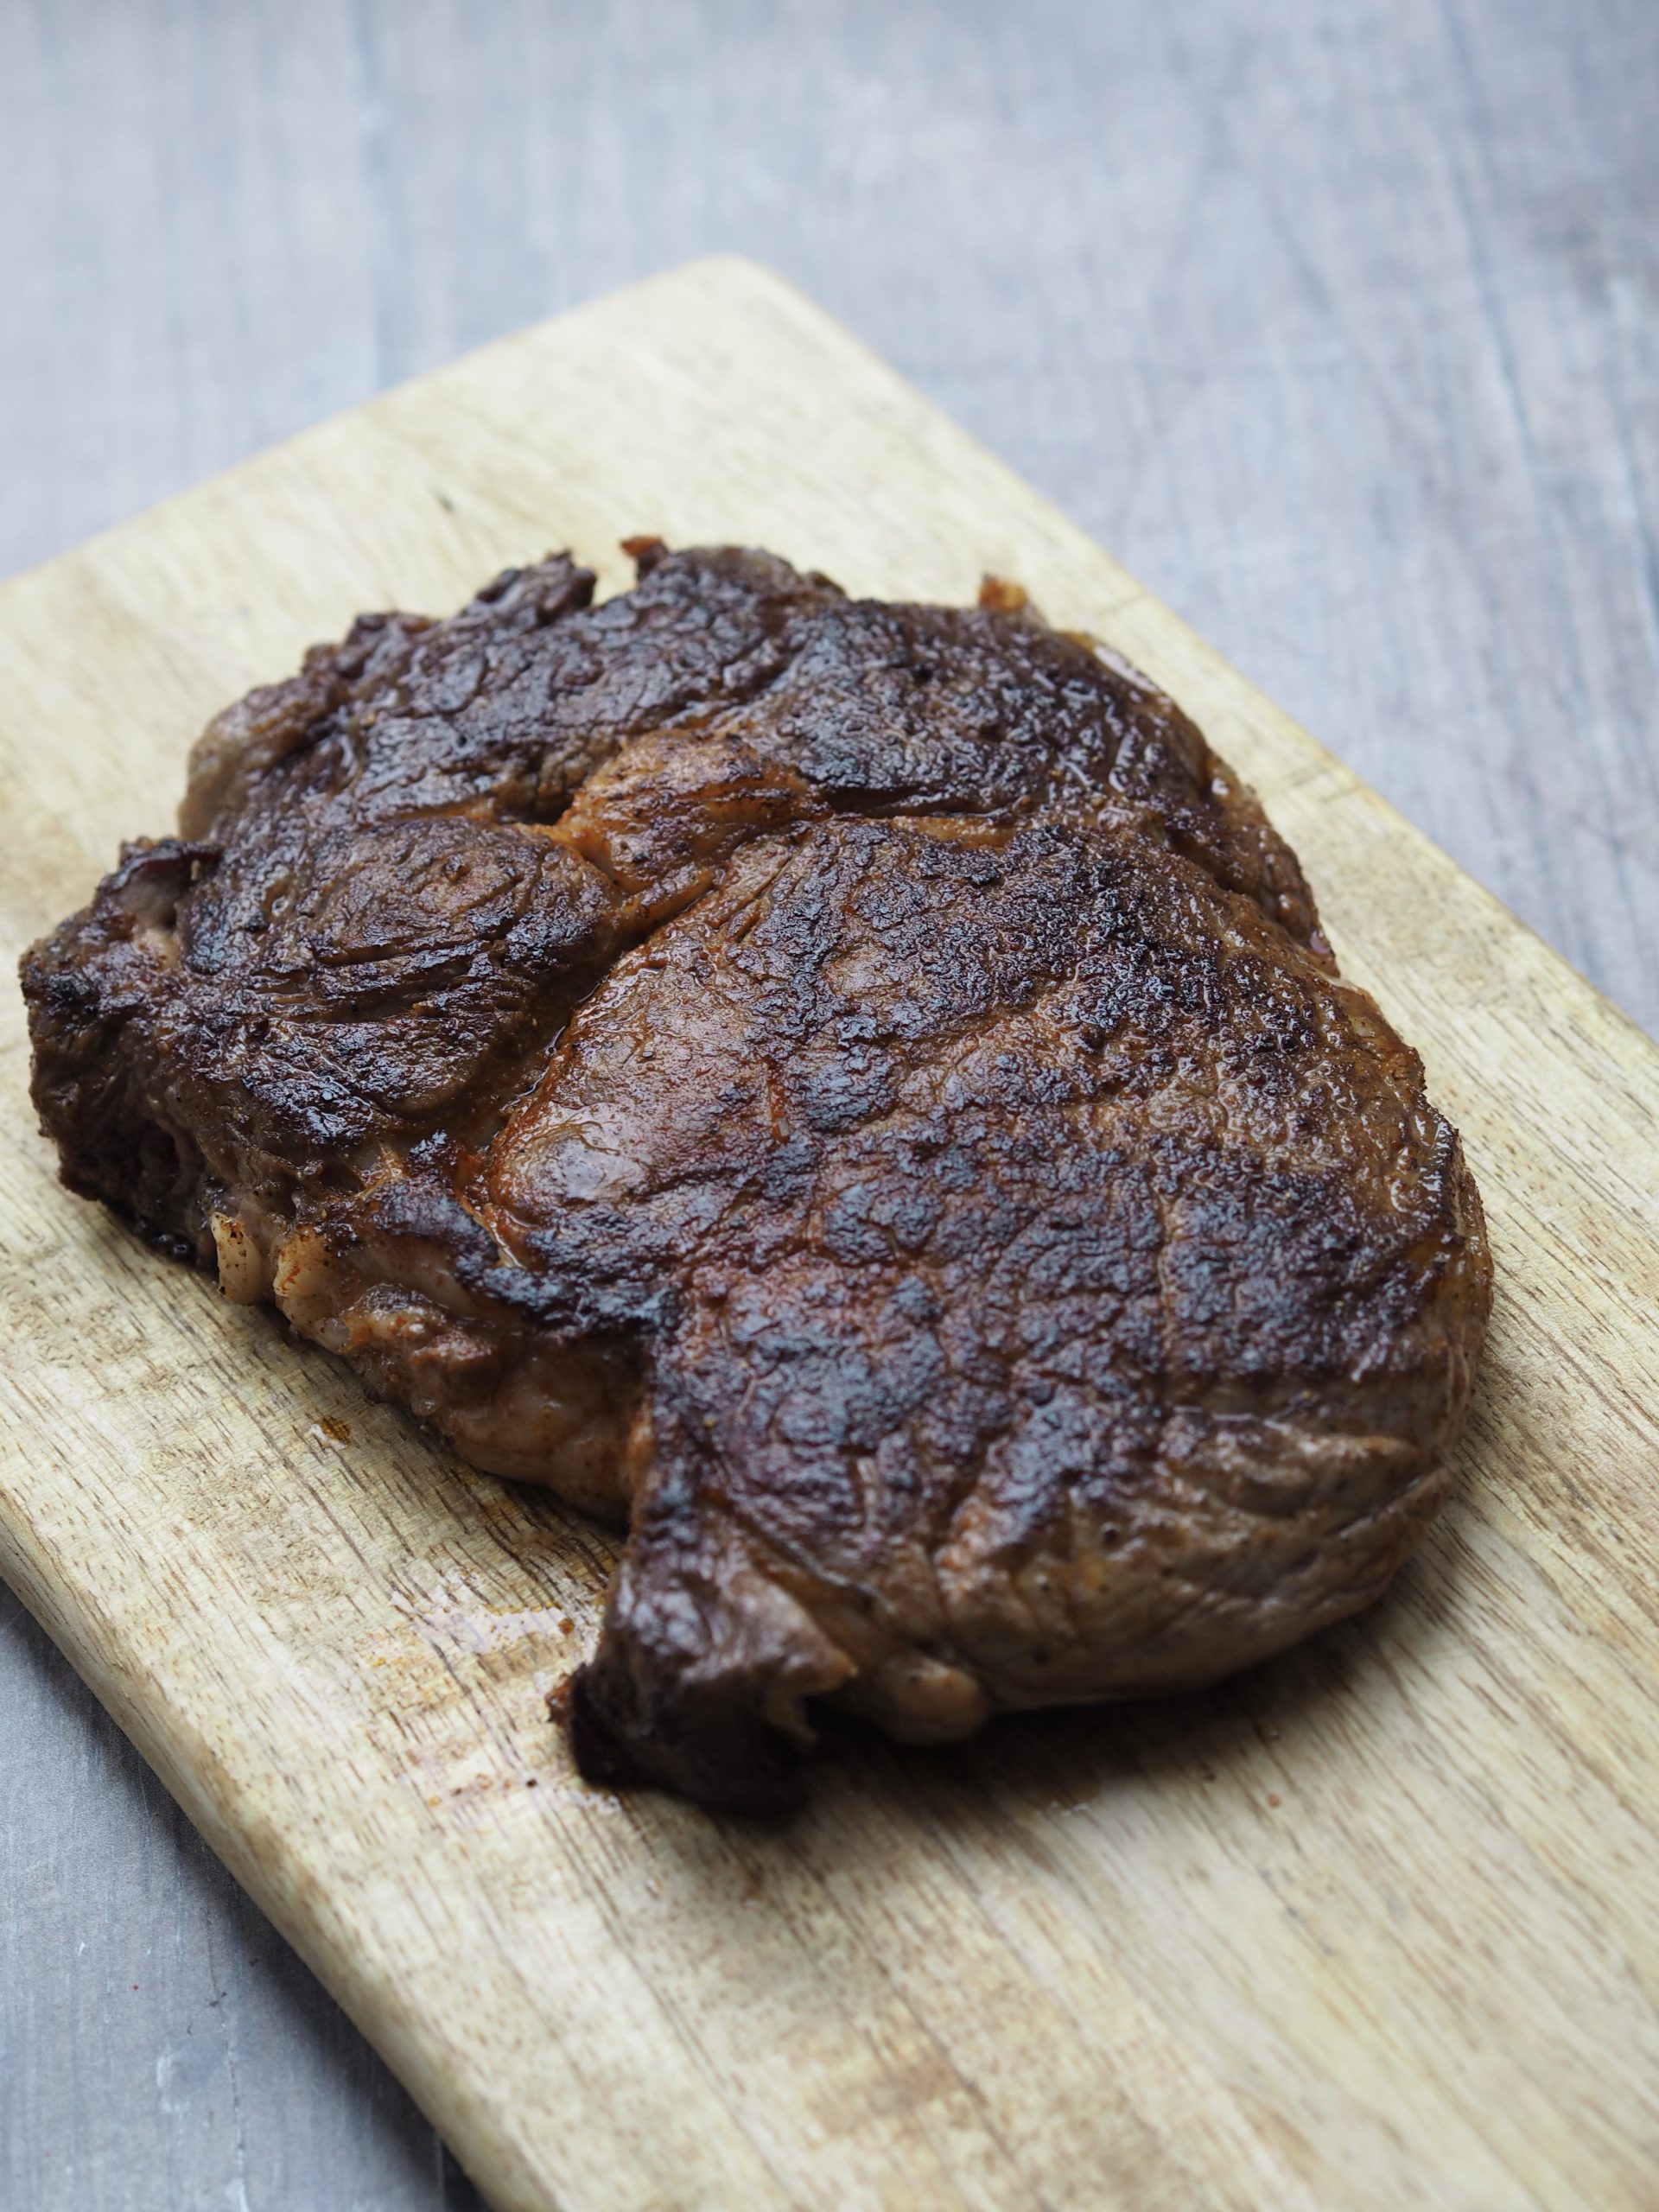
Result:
[858,1090]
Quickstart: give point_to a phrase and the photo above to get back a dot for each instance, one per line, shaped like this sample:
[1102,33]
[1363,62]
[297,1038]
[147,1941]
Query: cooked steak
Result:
[857,1090]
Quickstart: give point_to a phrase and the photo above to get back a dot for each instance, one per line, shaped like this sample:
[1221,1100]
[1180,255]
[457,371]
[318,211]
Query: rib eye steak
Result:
[857,1090]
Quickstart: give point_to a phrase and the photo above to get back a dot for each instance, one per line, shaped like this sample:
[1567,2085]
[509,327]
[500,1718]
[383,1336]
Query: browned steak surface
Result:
[858,1090]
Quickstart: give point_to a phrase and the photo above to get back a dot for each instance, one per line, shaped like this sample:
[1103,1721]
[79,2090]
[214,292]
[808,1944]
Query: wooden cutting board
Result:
[1377,1925]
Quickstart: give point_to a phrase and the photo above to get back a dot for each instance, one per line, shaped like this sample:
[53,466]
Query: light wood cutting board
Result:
[1377,1925]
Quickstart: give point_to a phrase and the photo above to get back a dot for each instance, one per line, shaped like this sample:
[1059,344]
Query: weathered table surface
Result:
[1365,383]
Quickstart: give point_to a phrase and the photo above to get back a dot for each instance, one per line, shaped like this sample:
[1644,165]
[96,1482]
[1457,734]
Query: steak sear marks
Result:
[857,1090]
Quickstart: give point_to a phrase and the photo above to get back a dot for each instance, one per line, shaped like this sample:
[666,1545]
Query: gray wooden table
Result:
[1336,320]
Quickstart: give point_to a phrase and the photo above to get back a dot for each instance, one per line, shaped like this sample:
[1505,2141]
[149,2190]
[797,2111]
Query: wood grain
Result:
[1375,1926]
[1338,319]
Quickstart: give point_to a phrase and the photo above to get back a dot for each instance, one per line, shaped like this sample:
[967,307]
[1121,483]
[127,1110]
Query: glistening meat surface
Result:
[858,1090]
